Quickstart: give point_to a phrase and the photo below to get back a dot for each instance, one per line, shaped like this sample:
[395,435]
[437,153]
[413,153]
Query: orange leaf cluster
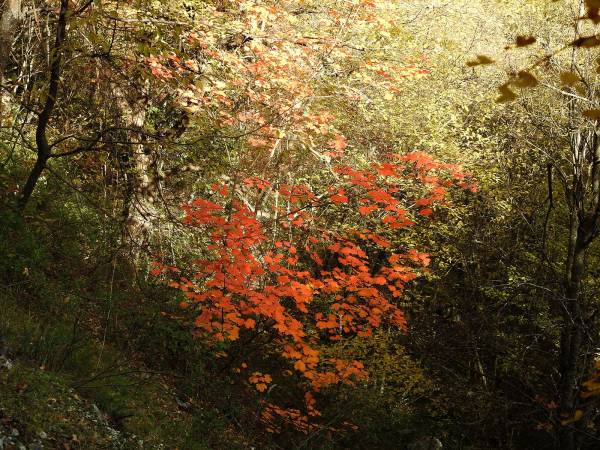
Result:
[322,287]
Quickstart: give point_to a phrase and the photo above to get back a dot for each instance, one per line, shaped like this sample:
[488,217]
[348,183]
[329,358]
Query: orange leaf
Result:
[366,210]
[300,366]
[339,143]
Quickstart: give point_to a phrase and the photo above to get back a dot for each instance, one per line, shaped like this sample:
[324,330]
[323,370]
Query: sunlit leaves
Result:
[255,72]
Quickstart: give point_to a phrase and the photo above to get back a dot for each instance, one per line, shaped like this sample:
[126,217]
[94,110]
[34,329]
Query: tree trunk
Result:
[44,150]
[32,179]
[583,201]
[137,163]
[571,334]
[139,210]
[11,14]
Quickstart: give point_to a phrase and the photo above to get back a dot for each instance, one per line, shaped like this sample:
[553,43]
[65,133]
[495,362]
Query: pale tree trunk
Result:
[139,209]
[11,15]
[138,166]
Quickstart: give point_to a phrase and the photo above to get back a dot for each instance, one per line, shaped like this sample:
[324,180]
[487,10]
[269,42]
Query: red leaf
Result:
[366,210]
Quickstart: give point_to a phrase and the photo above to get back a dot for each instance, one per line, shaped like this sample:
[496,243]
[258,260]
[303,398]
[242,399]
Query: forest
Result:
[311,224]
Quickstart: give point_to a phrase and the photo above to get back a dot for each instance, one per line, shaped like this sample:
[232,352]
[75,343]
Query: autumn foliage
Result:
[305,279]
[274,77]
[299,264]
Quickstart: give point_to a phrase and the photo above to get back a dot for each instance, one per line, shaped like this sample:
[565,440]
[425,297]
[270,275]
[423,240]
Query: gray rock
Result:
[182,404]
[99,415]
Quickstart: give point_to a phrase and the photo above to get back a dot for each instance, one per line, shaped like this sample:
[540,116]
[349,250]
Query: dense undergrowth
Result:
[95,357]
[69,335]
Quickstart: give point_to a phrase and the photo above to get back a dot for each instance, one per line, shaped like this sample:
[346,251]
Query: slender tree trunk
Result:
[44,151]
[571,334]
[583,201]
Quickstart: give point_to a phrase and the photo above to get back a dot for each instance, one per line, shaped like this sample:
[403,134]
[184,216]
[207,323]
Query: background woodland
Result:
[328,224]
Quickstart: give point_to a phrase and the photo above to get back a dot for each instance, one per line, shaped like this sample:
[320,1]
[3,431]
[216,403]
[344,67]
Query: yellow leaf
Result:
[300,366]
[576,417]
[506,94]
[481,60]
[592,385]
[525,79]
[234,333]
[524,41]
[569,78]
[593,114]
[586,42]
